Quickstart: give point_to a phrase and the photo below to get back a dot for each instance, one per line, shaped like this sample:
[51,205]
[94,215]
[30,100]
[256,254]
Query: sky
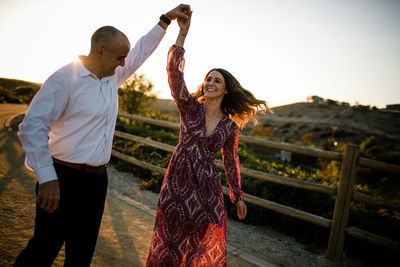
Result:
[280,50]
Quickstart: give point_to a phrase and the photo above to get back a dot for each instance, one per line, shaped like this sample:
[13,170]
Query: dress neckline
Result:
[204,123]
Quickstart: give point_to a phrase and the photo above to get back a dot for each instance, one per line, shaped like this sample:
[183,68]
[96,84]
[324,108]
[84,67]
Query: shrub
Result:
[25,93]
[262,131]
[7,96]
[306,138]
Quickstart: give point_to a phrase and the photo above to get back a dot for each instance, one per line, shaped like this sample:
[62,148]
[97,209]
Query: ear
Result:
[99,52]
[225,92]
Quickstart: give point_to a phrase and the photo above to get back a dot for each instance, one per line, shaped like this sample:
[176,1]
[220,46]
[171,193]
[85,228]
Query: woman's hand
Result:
[184,25]
[241,209]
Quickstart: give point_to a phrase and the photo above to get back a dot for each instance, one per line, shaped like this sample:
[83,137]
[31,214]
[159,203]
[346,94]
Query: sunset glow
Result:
[283,51]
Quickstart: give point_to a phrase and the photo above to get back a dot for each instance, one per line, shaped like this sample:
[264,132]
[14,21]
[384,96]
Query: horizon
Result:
[284,104]
[282,51]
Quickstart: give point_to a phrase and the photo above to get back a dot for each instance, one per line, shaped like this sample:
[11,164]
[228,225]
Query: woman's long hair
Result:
[238,104]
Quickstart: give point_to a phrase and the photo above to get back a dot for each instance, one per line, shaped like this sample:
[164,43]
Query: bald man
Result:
[67,136]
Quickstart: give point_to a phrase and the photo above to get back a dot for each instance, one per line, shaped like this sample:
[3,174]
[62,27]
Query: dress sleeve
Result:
[231,166]
[179,91]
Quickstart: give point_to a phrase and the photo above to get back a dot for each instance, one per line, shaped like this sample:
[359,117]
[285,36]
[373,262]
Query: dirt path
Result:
[128,219]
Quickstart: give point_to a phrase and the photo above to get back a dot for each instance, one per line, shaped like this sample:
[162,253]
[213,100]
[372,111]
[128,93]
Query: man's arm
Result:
[147,44]
[45,108]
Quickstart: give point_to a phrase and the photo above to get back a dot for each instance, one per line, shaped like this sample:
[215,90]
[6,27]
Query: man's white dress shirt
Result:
[73,115]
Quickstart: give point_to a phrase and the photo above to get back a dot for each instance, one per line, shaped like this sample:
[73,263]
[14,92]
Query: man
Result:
[67,136]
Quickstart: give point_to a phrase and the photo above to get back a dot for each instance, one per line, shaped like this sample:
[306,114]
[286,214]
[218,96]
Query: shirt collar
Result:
[82,70]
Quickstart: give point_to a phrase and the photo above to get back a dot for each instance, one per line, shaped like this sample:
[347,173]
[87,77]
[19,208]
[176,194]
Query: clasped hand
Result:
[184,23]
[179,12]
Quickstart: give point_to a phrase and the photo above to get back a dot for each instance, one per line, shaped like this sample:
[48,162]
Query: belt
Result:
[83,167]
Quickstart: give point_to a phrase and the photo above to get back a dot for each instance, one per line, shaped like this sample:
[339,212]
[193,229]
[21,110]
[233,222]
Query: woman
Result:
[190,227]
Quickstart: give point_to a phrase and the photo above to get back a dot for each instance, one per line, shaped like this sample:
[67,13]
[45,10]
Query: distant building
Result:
[393,107]
[330,102]
[345,104]
[315,99]
[363,107]
[325,101]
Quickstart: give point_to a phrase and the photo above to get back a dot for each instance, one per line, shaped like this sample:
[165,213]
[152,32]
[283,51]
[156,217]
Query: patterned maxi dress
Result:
[190,226]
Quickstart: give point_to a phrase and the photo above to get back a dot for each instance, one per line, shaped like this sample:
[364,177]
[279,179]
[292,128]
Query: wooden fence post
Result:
[342,205]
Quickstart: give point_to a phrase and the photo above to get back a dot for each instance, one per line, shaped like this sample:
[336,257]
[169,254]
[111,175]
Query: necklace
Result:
[210,115]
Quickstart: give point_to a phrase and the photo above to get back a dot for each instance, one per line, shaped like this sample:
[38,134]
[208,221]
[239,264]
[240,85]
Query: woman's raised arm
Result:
[184,25]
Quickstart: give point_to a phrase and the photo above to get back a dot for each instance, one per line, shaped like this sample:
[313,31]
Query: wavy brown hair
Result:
[238,104]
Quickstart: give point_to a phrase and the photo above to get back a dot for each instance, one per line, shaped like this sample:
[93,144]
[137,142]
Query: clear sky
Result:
[281,50]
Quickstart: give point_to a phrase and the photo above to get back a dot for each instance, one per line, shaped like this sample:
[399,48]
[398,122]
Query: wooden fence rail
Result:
[314,152]
[315,187]
[344,194]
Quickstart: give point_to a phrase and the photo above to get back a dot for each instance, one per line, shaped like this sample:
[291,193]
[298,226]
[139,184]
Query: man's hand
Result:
[241,209]
[48,196]
[181,11]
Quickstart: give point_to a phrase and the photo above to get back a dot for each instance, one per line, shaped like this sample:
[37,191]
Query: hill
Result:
[344,123]
[291,122]
[11,84]
[323,121]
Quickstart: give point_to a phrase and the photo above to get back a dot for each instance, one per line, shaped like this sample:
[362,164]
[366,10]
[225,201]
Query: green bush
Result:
[25,93]
[21,94]
[7,96]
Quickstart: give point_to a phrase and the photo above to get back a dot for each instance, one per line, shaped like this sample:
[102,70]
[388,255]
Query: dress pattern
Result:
[191,220]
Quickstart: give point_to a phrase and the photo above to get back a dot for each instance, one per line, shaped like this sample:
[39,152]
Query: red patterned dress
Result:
[190,226]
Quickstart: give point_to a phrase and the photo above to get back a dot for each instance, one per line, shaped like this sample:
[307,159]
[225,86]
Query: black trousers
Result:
[76,222]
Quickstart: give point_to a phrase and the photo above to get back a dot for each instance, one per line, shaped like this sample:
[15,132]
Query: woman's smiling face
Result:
[214,85]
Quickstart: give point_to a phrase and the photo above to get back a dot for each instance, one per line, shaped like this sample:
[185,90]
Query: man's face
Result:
[113,57]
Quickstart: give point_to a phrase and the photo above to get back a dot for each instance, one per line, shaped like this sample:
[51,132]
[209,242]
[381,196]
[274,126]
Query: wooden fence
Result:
[344,193]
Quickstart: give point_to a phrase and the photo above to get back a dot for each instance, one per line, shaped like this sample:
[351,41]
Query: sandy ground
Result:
[128,219]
